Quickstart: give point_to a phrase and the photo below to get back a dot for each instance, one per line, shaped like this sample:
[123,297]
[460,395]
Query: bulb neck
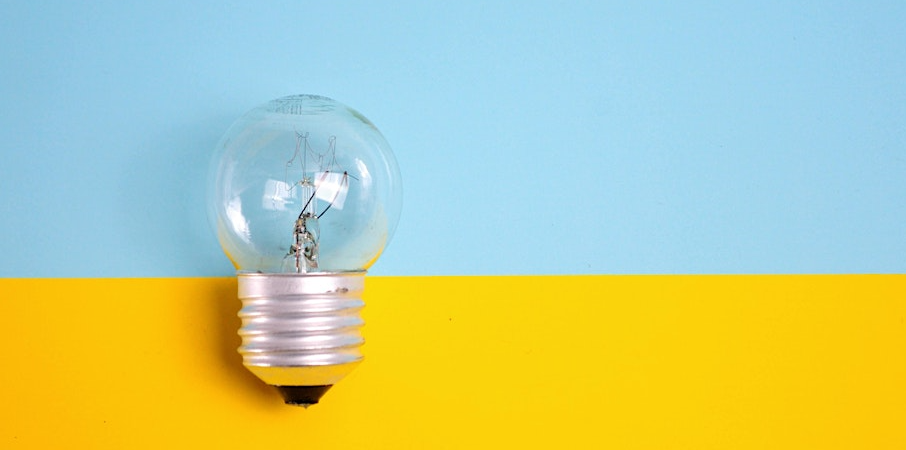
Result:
[301,331]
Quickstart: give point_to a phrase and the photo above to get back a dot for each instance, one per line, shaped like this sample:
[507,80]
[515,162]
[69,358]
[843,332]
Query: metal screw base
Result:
[301,330]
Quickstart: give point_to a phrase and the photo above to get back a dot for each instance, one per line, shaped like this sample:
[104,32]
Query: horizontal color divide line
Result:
[729,361]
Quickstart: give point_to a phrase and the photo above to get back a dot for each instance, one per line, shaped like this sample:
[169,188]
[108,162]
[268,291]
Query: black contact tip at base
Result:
[302,395]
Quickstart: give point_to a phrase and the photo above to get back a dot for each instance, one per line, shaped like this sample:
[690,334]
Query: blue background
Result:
[534,138]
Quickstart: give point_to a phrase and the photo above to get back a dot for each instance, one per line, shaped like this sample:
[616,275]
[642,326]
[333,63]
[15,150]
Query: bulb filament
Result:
[306,230]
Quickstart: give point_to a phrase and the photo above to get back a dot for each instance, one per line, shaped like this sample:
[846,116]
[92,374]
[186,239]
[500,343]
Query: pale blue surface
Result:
[533,139]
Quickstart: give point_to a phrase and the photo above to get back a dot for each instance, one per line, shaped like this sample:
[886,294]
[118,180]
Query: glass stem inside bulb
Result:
[305,231]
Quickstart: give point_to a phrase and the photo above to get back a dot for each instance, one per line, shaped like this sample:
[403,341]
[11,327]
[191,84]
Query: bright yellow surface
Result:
[762,362]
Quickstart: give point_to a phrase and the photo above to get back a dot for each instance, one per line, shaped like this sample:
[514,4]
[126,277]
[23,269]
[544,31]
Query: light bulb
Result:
[304,196]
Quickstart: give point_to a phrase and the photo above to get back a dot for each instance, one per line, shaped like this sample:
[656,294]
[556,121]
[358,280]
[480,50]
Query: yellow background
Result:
[471,362]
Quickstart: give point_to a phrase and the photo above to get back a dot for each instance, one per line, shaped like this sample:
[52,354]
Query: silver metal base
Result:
[301,329]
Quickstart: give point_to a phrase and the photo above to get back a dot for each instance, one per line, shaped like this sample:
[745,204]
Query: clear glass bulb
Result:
[305,195]
[304,184]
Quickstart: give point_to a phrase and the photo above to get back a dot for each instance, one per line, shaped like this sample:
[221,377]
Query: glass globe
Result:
[304,184]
